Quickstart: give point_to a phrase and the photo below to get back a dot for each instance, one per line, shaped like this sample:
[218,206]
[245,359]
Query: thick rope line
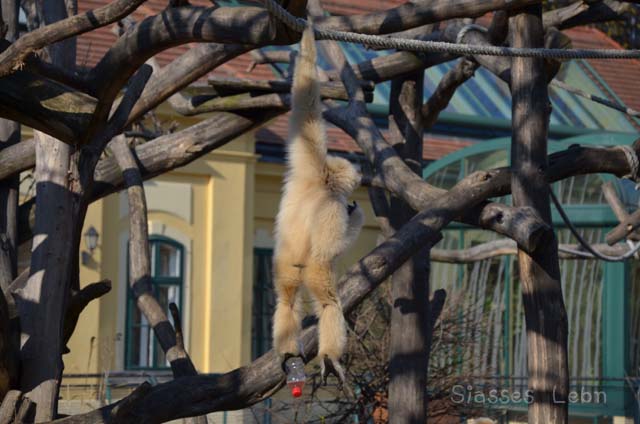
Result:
[634,163]
[299,24]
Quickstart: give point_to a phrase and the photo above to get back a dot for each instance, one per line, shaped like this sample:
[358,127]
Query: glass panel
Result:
[141,337]
[487,160]
[476,292]
[446,177]
[166,294]
[144,350]
[264,301]
[490,322]
[580,190]
[582,282]
[169,260]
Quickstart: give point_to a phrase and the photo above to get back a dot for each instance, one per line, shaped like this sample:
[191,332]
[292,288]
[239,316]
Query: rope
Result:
[465,29]
[299,24]
[583,242]
[632,159]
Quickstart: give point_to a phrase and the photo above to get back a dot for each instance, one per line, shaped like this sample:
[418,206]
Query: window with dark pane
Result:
[167,273]
[264,301]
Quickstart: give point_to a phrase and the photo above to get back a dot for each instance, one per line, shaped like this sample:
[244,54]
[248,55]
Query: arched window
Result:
[142,350]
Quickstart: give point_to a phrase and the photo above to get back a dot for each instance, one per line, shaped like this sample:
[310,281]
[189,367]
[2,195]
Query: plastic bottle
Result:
[295,375]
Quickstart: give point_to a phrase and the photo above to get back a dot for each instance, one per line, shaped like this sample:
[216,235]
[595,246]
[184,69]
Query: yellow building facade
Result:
[217,211]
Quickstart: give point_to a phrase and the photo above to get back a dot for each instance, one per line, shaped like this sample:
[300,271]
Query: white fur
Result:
[313,226]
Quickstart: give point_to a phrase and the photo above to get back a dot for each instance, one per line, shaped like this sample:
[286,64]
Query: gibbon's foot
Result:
[351,208]
[330,366]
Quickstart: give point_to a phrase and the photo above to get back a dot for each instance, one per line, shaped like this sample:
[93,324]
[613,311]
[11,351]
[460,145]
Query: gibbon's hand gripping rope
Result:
[299,24]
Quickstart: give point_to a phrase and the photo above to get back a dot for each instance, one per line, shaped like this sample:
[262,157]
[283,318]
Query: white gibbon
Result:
[315,222]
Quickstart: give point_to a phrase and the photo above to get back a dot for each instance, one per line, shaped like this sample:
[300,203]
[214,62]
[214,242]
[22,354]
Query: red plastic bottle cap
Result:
[296,391]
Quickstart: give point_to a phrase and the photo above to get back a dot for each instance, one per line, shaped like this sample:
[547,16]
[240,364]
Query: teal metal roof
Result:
[486,96]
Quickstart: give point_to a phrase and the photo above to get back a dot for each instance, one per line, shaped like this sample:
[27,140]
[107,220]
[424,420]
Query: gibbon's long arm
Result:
[307,134]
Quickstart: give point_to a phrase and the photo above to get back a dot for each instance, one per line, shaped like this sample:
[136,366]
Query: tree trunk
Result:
[545,313]
[408,362]
[43,298]
[41,301]
[9,135]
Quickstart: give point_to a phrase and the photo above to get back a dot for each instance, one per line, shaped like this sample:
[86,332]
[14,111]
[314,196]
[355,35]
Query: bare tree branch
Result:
[14,55]
[251,96]
[413,14]
[445,90]
[140,265]
[187,68]
[505,247]
[79,301]
[545,313]
[53,108]
[626,227]
[9,407]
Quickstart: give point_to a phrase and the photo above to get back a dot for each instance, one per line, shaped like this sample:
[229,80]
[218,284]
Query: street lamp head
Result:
[91,238]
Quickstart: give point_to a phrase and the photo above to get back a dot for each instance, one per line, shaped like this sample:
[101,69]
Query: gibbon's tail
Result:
[307,136]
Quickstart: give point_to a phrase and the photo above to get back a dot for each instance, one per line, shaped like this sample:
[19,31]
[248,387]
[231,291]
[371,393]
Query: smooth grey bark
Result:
[545,313]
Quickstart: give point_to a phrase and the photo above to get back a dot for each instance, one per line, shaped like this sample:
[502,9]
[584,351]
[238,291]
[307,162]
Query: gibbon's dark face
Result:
[342,176]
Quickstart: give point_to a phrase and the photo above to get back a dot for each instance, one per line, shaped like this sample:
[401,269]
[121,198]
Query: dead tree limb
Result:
[9,194]
[445,90]
[396,177]
[73,110]
[178,74]
[178,149]
[9,407]
[585,13]
[14,56]
[413,14]
[170,339]
[79,301]
[505,247]
[628,226]
[26,412]
[265,57]
[409,326]
[53,108]
[139,263]
[545,314]
[621,213]
[328,89]
[252,94]
[41,301]
[610,195]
